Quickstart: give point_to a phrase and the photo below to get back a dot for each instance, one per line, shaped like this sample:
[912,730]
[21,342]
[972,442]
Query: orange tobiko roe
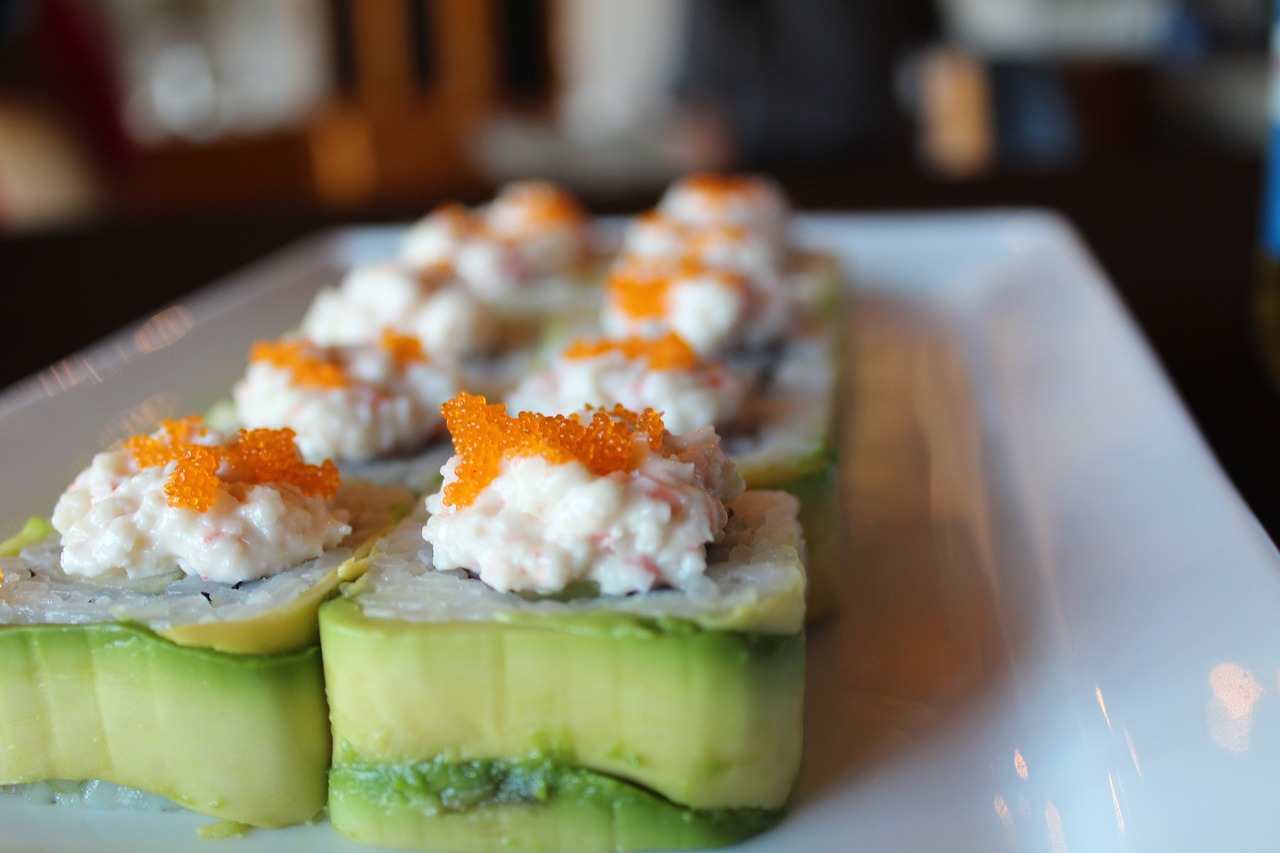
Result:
[669,352]
[257,456]
[549,204]
[308,368]
[720,186]
[640,289]
[484,435]
[404,349]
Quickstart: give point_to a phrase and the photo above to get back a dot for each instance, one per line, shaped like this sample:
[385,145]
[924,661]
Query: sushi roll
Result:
[372,408]
[592,641]
[160,633]
[714,261]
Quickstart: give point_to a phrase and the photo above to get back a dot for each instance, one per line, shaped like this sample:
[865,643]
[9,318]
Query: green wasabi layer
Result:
[237,737]
[523,804]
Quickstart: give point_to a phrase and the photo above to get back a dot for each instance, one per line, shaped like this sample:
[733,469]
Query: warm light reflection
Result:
[1006,817]
[1053,822]
[1019,764]
[164,329]
[1133,752]
[1097,692]
[1115,802]
[1024,807]
[1230,712]
[78,369]
[67,374]
[142,418]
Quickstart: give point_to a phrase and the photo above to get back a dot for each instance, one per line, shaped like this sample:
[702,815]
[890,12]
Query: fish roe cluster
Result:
[307,364]
[722,186]
[669,352]
[257,456]
[639,290]
[547,203]
[404,349]
[484,435]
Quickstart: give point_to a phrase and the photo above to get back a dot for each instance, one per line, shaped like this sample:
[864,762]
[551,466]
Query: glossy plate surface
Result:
[1059,628]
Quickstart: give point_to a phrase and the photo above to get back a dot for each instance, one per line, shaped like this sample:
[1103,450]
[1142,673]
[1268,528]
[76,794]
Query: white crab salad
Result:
[712,309]
[446,317]
[745,201]
[654,236]
[536,503]
[663,374]
[347,403]
[223,508]
[530,232]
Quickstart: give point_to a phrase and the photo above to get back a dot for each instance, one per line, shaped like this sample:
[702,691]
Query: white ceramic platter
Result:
[1059,628]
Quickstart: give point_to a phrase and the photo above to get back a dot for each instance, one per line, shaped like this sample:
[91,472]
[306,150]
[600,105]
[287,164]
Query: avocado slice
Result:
[237,737]
[209,695]
[32,531]
[685,708]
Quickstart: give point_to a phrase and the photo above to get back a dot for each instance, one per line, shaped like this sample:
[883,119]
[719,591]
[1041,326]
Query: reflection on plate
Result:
[1059,628]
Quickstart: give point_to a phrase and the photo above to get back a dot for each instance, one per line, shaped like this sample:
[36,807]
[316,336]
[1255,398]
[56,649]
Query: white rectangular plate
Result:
[1059,627]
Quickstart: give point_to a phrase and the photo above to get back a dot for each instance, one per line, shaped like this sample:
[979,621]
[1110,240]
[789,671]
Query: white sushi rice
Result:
[754,580]
[91,794]
[36,591]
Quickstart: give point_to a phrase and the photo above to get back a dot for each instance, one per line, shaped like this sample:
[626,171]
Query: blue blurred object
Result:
[1189,39]
[1036,122]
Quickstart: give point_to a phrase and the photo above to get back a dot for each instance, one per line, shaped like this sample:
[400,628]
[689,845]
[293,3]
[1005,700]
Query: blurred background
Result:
[149,146]
[150,107]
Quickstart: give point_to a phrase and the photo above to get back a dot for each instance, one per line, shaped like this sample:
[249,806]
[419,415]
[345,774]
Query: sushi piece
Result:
[740,223]
[663,374]
[598,646]
[715,310]
[372,408]
[526,252]
[750,202]
[776,427]
[446,318]
[160,633]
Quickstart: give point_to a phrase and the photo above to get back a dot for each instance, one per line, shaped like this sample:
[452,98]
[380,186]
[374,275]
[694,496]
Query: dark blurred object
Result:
[60,128]
[228,103]
[1266,298]
[800,81]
